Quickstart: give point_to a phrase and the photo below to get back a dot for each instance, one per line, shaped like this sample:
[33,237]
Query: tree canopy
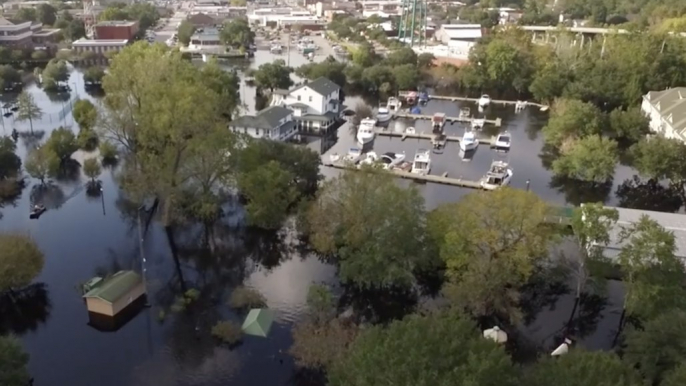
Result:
[273,75]
[13,362]
[591,159]
[20,261]
[582,368]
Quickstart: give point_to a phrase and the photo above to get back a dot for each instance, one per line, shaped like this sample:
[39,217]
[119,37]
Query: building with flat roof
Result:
[207,38]
[21,35]
[98,46]
[111,295]
[116,30]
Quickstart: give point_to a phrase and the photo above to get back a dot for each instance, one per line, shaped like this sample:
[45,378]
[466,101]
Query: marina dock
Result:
[442,179]
[401,114]
[430,137]
[543,107]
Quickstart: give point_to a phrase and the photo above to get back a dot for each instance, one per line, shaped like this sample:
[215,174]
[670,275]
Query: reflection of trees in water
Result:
[93,190]
[579,192]
[648,195]
[10,192]
[25,310]
[30,139]
[49,194]
[378,305]
[69,171]
[542,291]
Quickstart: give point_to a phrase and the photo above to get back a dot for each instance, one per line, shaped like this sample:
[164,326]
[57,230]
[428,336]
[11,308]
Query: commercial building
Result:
[382,8]
[666,111]
[450,33]
[207,38]
[99,47]
[116,30]
[17,35]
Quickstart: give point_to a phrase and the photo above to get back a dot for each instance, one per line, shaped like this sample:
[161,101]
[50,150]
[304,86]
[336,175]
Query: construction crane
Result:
[413,23]
[89,18]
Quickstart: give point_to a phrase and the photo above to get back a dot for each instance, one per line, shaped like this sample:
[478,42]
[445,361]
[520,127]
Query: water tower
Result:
[412,29]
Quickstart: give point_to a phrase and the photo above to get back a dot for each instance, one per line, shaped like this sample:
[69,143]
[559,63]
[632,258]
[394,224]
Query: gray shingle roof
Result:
[671,102]
[265,119]
[321,86]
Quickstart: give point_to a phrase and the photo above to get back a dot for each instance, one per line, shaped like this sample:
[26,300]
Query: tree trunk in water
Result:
[620,328]
[31,124]
[175,256]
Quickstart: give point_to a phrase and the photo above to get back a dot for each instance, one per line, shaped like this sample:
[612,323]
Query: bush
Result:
[244,298]
[87,139]
[108,152]
[228,332]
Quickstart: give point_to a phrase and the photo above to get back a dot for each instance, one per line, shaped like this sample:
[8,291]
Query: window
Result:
[257,132]
[310,98]
[298,98]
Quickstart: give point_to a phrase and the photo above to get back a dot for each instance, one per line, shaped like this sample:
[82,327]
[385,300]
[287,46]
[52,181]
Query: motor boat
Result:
[383,115]
[37,211]
[335,157]
[520,105]
[478,123]
[498,175]
[437,122]
[354,154]
[438,142]
[410,130]
[411,98]
[393,105]
[391,160]
[369,159]
[469,141]
[465,112]
[415,110]
[484,101]
[502,141]
[422,162]
[365,133]
[276,49]
[423,98]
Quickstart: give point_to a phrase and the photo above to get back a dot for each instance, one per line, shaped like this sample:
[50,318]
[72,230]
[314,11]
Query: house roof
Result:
[671,104]
[321,86]
[299,105]
[201,19]
[115,287]
[675,223]
[462,33]
[314,117]
[265,119]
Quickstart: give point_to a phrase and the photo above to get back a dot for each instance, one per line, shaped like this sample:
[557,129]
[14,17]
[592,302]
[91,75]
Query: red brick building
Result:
[116,30]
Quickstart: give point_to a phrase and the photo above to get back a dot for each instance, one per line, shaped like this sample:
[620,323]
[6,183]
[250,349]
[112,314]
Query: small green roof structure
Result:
[115,287]
[258,322]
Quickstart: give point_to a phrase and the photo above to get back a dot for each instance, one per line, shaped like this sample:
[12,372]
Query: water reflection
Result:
[24,310]
[378,305]
[649,195]
[579,192]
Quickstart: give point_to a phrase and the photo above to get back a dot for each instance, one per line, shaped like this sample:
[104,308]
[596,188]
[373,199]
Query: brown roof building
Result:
[116,30]
[202,20]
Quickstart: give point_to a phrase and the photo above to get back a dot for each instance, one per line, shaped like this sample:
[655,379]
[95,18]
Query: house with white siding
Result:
[666,111]
[316,105]
[274,122]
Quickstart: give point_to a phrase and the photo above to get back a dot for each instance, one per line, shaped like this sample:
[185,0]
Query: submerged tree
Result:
[92,169]
[13,362]
[372,227]
[490,243]
[270,192]
[41,163]
[28,109]
[437,349]
[590,159]
[571,118]
[20,262]
[273,75]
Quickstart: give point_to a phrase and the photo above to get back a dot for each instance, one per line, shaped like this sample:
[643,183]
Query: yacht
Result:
[469,141]
[478,123]
[484,101]
[422,162]
[383,115]
[498,175]
[393,105]
[391,160]
[276,49]
[465,112]
[437,122]
[502,141]
[354,154]
[365,133]
[410,130]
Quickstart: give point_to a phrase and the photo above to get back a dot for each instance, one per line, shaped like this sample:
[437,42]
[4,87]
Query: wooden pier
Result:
[430,137]
[403,94]
[442,179]
[497,122]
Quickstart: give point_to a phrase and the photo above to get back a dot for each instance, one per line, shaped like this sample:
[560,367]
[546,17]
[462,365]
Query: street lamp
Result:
[102,200]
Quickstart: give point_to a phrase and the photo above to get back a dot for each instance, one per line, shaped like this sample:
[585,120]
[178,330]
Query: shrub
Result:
[244,298]
[228,332]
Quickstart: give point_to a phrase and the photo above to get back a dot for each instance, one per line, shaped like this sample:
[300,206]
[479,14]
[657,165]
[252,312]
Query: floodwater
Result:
[83,235]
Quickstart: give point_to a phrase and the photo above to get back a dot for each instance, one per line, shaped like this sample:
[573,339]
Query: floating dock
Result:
[543,107]
[497,122]
[442,179]
[431,137]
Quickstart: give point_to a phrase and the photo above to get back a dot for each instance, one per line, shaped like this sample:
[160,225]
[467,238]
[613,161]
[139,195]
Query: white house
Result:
[666,111]
[274,122]
[316,105]
[450,33]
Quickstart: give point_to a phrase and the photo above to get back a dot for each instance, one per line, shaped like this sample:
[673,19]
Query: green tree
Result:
[26,14]
[659,347]
[653,275]
[185,31]
[62,143]
[401,56]
[92,169]
[75,30]
[493,248]
[506,66]
[437,349]
[238,3]
[330,68]
[9,76]
[46,14]
[371,226]
[425,60]
[375,77]
[661,158]
[28,109]
[226,84]
[364,55]
[571,118]
[41,163]
[20,262]
[55,73]
[85,114]
[273,75]
[549,81]
[406,76]
[13,361]
[591,159]
[93,75]
[676,377]
[237,34]
[270,192]
[630,124]
[321,345]
[10,163]
[582,368]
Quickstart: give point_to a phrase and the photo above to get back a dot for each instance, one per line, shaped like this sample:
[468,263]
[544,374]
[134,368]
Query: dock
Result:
[442,179]
[497,122]
[402,94]
[430,137]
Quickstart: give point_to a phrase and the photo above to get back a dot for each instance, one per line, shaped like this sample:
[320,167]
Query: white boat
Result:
[437,122]
[383,115]
[422,162]
[365,133]
[335,157]
[469,141]
[465,112]
[502,141]
[369,159]
[394,104]
[276,49]
[498,175]
[410,130]
[391,160]
[484,101]
[478,123]
[354,154]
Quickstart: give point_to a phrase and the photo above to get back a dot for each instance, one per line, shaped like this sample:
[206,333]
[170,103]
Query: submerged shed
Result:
[113,294]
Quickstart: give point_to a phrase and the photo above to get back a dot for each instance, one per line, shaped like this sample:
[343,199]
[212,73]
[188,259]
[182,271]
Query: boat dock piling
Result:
[497,122]
[430,137]
[442,179]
